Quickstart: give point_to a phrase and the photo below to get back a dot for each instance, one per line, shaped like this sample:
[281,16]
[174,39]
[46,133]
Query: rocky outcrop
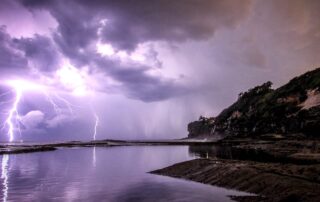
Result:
[292,108]
[312,100]
[201,127]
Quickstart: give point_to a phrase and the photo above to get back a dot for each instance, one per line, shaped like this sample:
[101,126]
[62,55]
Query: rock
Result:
[204,126]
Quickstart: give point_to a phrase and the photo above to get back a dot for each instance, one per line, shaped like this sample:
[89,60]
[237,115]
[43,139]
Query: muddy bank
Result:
[271,181]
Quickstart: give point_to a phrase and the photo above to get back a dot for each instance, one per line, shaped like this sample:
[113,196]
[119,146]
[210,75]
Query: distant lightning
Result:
[66,102]
[55,107]
[96,124]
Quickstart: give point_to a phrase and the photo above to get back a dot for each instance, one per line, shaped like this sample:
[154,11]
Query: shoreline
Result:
[270,181]
[16,148]
[282,170]
[275,170]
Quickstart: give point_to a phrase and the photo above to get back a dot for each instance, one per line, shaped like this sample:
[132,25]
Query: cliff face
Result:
[292,108]
[202,127]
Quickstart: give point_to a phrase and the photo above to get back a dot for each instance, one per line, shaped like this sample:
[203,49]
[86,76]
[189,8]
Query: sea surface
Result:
[115,174]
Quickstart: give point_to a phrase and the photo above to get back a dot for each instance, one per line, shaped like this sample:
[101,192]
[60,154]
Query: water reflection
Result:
[117,174]
[4,176]
[207,151]
[227,152]
[94,160]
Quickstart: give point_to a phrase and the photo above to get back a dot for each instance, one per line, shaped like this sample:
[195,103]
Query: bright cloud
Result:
[32,119]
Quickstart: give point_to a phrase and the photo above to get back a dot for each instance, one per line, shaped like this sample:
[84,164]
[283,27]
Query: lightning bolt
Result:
[12,123]
[19,88]
[13,115]
[96,124]
[13,120]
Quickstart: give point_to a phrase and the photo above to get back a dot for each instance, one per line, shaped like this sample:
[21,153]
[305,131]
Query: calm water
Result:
[117,174]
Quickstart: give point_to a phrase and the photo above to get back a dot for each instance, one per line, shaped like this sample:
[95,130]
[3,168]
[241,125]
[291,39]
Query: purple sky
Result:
[146,67]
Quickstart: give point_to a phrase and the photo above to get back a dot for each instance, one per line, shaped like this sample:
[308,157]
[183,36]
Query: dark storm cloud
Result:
[293,25]
[40,51]
[77,27]
[129,23]
[76,32]
[138,84]
[125,24]
[132,22]
[136,81]
[222,47]
[19,55]
[11,60]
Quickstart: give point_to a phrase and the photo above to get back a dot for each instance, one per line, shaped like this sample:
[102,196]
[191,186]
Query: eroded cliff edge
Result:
[291,109]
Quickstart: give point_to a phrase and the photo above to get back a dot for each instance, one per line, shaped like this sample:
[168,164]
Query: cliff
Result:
[291,109]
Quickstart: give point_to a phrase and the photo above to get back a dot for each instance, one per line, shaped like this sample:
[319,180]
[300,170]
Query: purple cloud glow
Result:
[147,67]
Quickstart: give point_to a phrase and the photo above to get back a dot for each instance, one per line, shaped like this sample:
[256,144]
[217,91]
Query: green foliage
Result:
[263,109]
[246,100]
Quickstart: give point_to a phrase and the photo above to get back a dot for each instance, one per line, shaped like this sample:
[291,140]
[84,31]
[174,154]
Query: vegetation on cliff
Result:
[292,108]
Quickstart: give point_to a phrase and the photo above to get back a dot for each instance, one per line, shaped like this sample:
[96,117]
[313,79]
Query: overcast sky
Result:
[145,68]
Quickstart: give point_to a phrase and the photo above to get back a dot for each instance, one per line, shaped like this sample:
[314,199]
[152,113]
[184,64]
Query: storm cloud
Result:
[170,61]
[128,23]
[125,25]
[10,58]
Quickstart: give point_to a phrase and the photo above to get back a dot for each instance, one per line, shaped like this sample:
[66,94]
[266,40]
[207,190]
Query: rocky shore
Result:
[283,170]
[271,181]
